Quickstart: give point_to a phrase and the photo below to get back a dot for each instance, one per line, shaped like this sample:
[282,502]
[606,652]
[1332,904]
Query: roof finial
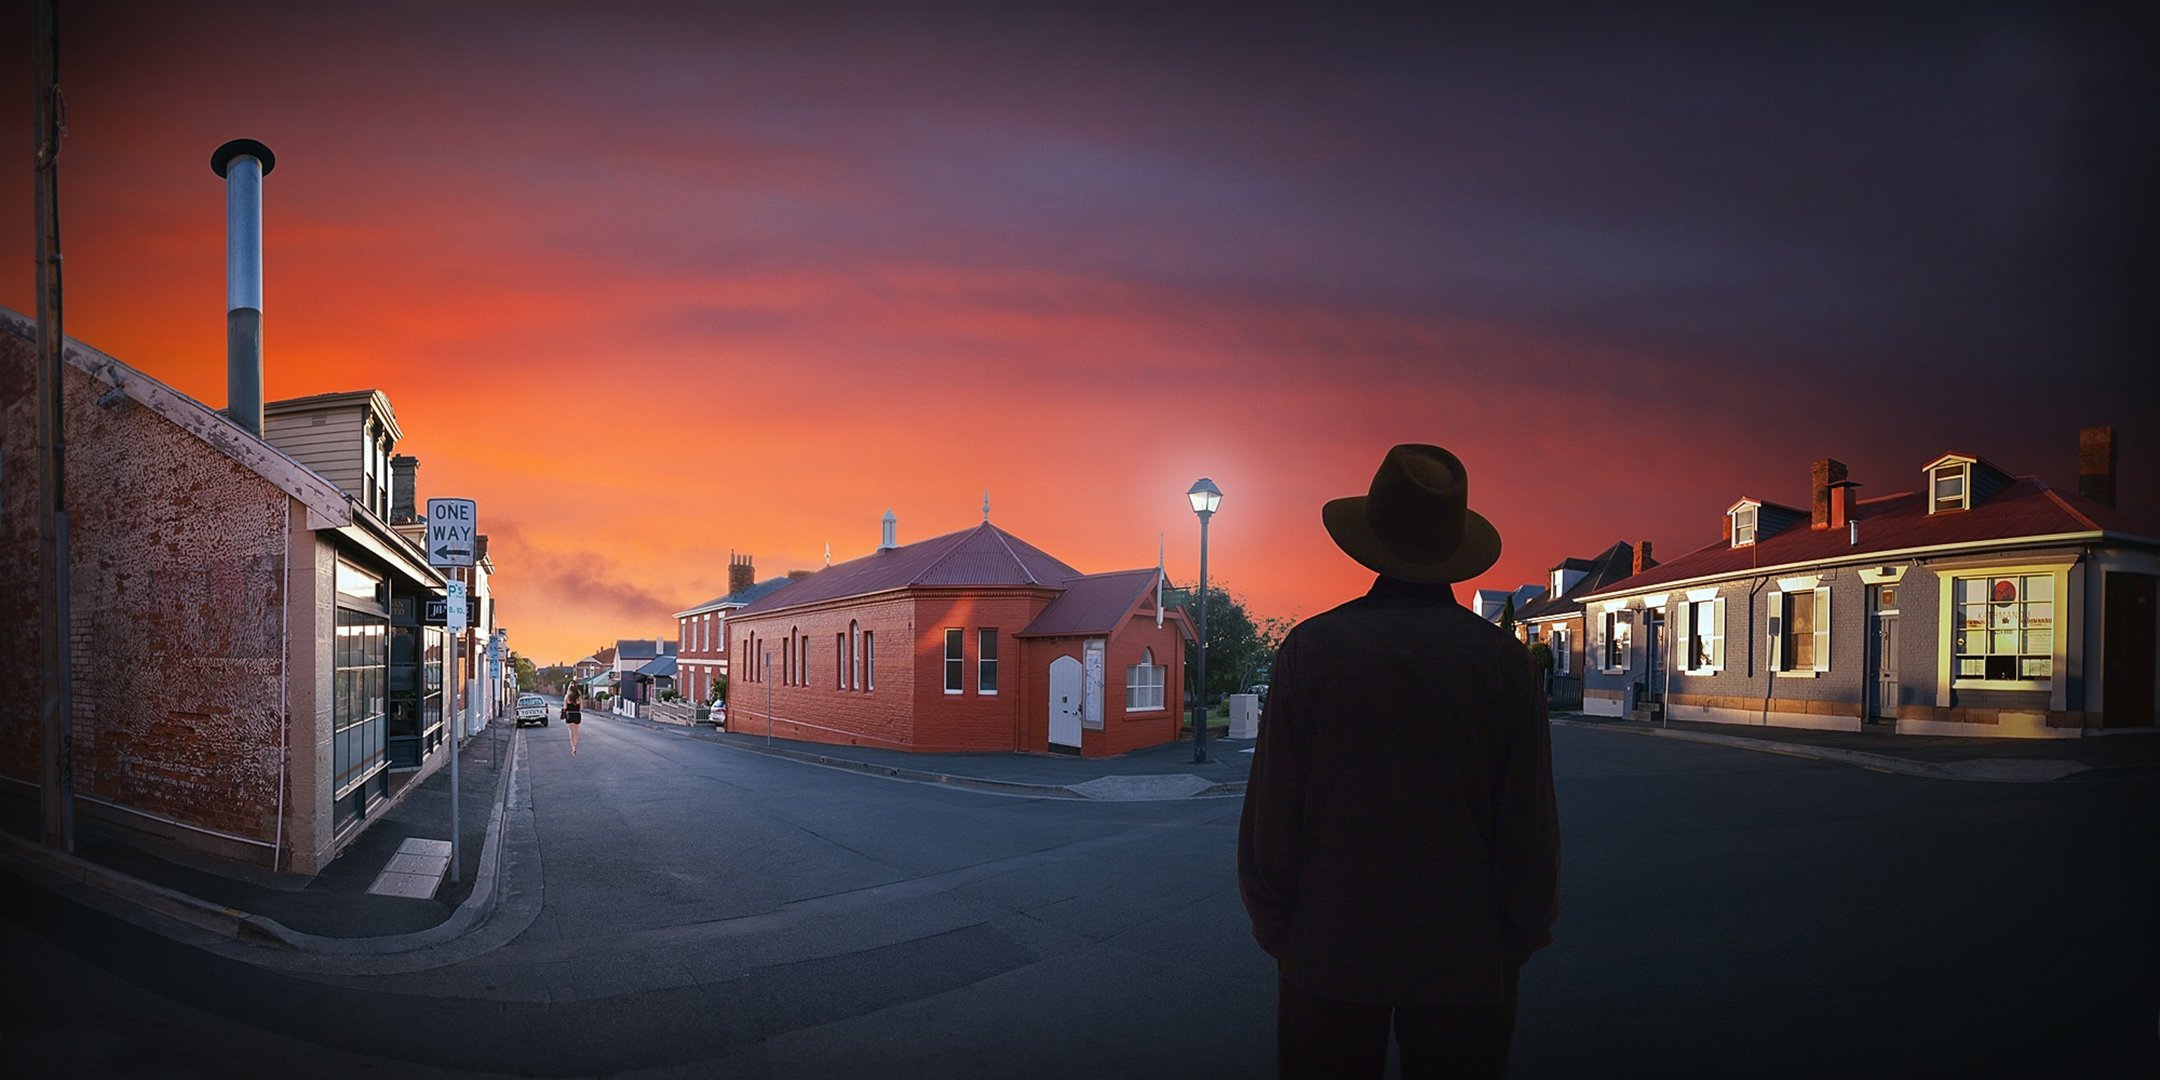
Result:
[986,506]
[828,553]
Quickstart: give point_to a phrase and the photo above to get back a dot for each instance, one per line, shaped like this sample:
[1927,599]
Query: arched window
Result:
[1144,684]
[854,636]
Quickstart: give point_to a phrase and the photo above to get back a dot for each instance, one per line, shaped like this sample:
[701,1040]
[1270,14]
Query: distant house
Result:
[1556,616]
[236,643]
[633,687]
[701,637]
[1491,604]
[1980,603]
[974,640]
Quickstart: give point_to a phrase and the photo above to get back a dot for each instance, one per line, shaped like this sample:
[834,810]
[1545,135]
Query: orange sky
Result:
[652,283]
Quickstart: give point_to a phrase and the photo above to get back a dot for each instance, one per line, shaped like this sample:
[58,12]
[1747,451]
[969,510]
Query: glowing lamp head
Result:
[1205,497]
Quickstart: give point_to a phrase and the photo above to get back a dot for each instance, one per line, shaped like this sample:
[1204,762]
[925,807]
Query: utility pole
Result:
[56,708]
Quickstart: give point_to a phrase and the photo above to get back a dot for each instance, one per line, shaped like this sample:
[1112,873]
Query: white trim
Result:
[1799,584]
[1977,547]
[1882,575]
[1656,600]
[1695,595]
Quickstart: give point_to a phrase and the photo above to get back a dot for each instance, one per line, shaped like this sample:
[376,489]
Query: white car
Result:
[532,709]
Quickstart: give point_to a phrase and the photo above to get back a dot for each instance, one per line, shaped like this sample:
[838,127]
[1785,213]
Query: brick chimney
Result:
[404,470]
[1643,561]
[1828,471]
[1841,503]
[740,575]
[2096,465]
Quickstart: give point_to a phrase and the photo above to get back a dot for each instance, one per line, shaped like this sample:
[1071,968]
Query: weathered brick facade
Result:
[202,599]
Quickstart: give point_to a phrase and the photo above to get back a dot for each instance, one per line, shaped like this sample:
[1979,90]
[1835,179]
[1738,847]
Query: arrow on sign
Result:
[447,552]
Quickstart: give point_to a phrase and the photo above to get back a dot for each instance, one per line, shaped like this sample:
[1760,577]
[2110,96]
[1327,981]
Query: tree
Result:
[719,689]
[1238,650]
[1507,615]
[527,675]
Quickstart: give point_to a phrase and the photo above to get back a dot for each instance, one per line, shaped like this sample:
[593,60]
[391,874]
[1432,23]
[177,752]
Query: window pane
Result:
[2039,641]
[2039,614]
[2038,668]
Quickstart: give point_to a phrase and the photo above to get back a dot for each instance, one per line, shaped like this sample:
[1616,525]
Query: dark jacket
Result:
[1400,842]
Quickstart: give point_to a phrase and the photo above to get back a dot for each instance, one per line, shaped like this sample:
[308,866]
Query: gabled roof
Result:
[1097,604]
[2027,510]
[642,649]
[739,598]
[1613,564]
[375,400]
[328,505]
[662,667]
[983,555]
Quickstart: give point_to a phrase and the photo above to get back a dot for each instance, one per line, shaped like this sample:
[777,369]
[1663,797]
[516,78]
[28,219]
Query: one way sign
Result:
[451,528]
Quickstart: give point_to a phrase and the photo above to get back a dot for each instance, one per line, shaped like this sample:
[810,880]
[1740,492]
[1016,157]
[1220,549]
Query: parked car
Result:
[532,709]
[1260,688]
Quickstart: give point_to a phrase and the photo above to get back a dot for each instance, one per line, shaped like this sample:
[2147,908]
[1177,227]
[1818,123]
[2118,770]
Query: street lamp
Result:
[1205,497]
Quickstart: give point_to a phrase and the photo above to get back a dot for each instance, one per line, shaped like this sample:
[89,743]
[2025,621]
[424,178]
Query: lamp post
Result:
[1205,497]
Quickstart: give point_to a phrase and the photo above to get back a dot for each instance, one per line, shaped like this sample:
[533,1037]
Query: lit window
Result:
[1619,627]
[1743,526]
[1800,630]
[986,668]
[955,664]
[1144,684]
[1706,635]
[2004,628]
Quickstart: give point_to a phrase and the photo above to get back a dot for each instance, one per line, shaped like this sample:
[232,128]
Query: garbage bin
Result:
[1244,716]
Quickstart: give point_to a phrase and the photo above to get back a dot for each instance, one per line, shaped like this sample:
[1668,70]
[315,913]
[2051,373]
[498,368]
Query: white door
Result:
[1065,702]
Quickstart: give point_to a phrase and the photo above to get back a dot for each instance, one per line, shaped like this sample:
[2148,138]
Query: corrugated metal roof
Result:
[739,598]
[983,555]
[1094,604]
[664,666]
[1614,564]
[2028,507]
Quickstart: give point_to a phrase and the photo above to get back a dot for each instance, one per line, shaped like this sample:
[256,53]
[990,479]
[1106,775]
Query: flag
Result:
[1158,580]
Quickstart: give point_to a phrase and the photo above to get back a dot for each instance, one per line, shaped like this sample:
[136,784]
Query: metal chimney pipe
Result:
[243,163]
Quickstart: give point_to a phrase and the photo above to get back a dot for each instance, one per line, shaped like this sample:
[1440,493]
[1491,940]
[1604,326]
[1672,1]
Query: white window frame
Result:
[1819,638]
[1963,472]
[1609,624]
[1715,607]
[955,659]
[869,661]
[1953,618]
[1141,678]
[986,661]
[1561,648]
[1754,524]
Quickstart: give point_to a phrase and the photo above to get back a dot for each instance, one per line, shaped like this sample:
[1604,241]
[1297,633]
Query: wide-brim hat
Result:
[1415,522]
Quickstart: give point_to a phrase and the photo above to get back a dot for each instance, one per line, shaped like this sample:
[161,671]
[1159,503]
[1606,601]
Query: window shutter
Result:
[1822,629]
[1776,623]
[1717,634]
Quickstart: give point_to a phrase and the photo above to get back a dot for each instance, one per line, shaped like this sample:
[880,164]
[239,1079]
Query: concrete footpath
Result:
[337,913]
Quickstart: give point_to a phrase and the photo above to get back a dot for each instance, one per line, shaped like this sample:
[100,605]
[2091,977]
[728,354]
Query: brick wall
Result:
[179,591]
[1121,732]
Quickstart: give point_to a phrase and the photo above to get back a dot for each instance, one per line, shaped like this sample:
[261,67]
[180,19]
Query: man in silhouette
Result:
[1399,852]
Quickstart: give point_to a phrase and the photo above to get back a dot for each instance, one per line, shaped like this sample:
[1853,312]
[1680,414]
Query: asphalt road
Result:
[673,907]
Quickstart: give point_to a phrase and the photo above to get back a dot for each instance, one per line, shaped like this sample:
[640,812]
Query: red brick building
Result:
[975,640]
[701,638]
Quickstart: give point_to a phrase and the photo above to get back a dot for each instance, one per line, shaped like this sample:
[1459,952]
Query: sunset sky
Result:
[656,281]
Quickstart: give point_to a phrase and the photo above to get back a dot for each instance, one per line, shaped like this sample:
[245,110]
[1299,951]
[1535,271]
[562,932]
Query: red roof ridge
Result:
[2058,500]
[1007,545]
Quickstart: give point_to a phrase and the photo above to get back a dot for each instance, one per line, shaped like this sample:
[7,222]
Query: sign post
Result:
[451,528]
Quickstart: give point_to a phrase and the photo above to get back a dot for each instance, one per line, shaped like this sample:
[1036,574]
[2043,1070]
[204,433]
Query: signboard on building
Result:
[457,607]
[437,612]
[453,529]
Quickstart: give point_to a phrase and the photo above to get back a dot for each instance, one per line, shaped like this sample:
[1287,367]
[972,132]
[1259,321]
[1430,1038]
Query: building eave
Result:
[1866,558]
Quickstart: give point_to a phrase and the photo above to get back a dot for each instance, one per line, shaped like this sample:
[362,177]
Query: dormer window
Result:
[1950,487]
[1743,525]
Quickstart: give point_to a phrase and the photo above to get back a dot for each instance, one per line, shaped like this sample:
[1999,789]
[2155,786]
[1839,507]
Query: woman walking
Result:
[571,714]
